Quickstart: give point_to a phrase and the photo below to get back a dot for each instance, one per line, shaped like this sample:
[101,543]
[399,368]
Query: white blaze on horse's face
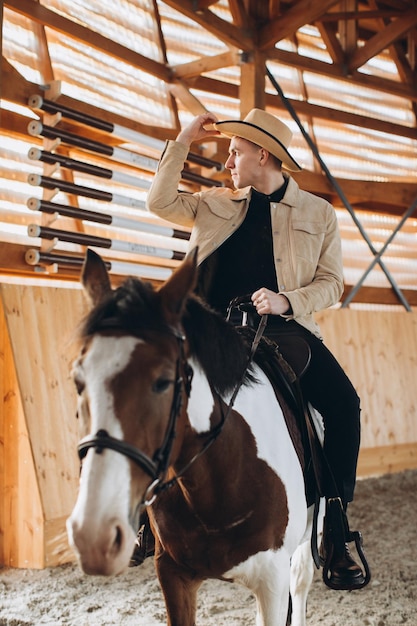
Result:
[99,524]
[105,359]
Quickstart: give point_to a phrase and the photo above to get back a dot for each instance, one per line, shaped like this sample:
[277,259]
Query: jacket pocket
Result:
[308,239]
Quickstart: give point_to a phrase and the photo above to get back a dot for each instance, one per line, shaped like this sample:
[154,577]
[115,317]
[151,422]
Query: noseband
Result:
[156,467]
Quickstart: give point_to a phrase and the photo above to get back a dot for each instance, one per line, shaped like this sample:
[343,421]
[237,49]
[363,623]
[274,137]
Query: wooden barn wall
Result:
[41,323]
[39,433]
[378,350]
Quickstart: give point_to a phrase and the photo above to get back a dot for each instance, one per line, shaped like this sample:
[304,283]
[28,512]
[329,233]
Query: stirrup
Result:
[336,536]
[144,545]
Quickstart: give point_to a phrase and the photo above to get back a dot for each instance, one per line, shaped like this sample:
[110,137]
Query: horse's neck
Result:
[202,401]
[206,481]
[210,464]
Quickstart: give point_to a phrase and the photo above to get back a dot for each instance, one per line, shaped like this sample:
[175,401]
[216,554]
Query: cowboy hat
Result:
[266,131]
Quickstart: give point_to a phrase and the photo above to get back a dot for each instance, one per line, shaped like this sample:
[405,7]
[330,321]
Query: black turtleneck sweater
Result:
[245,261]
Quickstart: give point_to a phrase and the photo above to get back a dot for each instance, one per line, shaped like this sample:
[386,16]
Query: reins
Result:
[216,430]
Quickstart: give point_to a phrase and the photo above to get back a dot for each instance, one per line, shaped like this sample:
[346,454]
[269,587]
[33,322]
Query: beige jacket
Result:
[306,241]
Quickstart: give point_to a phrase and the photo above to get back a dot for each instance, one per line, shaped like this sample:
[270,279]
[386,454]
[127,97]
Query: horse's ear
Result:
[94,277]
[175,291]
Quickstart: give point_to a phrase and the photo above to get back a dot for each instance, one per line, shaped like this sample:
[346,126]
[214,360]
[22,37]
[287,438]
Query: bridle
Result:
[157,466]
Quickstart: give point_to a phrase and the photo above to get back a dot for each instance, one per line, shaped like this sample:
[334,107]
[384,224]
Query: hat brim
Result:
[255,134]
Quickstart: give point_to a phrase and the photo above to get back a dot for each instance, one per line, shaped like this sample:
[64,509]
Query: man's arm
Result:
[163,197]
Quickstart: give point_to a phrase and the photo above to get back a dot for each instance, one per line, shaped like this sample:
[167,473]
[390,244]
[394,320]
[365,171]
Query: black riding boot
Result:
[340,570]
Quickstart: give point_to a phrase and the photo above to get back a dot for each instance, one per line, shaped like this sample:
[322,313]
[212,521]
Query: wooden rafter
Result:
[225,31]
[206,64]
[383,39]
[304,12]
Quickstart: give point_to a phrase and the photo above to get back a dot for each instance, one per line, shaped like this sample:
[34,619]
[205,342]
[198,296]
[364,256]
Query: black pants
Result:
[330,391]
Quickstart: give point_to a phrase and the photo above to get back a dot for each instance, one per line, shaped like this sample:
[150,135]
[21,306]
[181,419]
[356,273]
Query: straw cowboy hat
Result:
[264,130]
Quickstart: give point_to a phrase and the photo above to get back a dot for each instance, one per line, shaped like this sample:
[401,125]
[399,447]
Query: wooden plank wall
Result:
[39,432]
[21,517]
[378,350]
[41,323]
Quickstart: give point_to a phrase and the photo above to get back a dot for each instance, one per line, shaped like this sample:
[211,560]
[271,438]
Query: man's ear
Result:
[263,156]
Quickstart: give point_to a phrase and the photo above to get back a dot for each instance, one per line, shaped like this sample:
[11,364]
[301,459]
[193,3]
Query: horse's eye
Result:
[161,385]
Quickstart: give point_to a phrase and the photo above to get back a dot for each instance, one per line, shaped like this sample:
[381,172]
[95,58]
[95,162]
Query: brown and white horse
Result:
[221,480]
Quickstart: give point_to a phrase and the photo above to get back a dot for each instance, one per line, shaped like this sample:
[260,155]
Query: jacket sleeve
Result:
[326,287]
[164,199]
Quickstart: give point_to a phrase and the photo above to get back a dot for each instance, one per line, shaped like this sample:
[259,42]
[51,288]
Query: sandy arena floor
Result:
[385,511]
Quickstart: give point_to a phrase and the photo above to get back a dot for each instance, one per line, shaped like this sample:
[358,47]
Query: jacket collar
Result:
[291,193]
[290,196]
[242,194]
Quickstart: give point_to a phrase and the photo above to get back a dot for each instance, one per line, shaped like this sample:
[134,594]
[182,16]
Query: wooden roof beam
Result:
[383,39]
[303,12]
[274,9]
[226,32]
[348,30]
[206,64]
[258,12]
[329,35]
[46,68]
[239,14]
[405,66]
[174,115]
[14,87]
[360,14]
[392,198]
[204,4]
[179,90]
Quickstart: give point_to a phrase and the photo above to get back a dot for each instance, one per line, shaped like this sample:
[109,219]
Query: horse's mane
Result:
[133,307]
[136,307]
[221,351]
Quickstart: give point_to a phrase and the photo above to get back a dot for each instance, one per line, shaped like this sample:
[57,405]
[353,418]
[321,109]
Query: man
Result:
[269,238]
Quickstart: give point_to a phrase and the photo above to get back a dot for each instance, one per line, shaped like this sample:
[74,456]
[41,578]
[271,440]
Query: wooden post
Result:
[252,82]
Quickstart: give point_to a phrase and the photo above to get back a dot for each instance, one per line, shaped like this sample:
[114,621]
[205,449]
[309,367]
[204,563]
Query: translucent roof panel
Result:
[187,39]
[308,42]
[130,23]
[20,45]
[86,74]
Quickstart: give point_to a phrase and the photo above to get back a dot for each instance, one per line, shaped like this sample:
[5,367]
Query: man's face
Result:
[243,162]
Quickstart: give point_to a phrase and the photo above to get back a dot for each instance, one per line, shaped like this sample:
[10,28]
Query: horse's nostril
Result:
[118,538]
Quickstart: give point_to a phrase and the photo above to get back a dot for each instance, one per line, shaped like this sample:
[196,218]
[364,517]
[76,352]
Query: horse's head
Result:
[131,381]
